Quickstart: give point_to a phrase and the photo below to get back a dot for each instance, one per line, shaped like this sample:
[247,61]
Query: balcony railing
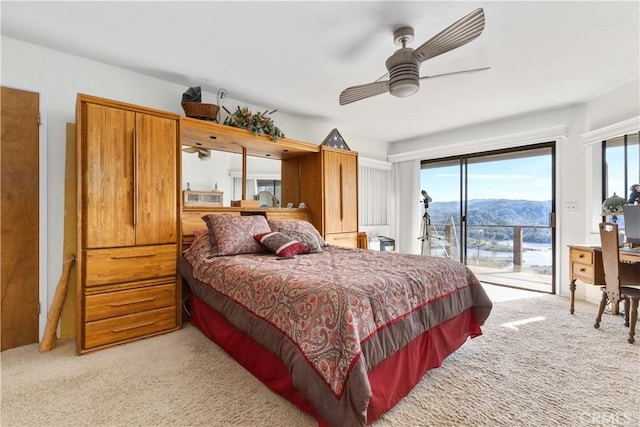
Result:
[499,254]
[444,240]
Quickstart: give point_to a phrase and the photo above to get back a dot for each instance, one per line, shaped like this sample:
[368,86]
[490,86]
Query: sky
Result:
[516,179]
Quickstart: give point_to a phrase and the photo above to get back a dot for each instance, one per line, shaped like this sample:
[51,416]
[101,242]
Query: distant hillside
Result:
[497,212]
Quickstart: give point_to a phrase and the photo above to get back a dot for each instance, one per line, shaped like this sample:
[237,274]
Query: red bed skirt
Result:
[390,380]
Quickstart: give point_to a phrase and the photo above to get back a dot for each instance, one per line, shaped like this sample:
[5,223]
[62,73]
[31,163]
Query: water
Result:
[534,254]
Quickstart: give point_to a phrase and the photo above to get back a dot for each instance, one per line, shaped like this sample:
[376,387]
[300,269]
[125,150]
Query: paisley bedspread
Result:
[344,310]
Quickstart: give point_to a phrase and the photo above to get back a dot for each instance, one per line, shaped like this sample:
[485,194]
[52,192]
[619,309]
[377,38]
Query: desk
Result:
[585,264]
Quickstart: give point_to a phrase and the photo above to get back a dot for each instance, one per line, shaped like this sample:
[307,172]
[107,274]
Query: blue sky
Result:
[523,179]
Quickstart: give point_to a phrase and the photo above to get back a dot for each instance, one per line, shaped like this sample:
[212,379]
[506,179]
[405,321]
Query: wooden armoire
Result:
[327,182]
[128,219]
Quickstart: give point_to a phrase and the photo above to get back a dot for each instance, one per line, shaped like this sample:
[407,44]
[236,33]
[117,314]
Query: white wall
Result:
[577,167]
[59,77]
[618,104]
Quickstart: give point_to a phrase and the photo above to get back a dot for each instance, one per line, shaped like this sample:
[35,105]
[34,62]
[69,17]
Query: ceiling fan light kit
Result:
[404,65]
[404,73]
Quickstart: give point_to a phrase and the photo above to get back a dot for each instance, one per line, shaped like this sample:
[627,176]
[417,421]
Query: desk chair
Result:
[613,289]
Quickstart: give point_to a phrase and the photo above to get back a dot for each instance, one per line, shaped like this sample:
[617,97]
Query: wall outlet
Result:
[571,207]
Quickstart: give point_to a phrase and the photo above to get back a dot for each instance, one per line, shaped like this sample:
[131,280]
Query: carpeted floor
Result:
[535,365]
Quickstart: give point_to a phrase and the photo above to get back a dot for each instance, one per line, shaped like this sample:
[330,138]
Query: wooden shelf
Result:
[201,133]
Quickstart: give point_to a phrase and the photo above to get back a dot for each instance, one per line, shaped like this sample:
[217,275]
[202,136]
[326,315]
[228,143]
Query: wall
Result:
[613,106]
[59,77]
[577,173]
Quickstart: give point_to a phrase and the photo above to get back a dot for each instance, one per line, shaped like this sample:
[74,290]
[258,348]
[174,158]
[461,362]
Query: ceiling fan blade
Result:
[190,149]
[457,34]
[356,93]
[455,72]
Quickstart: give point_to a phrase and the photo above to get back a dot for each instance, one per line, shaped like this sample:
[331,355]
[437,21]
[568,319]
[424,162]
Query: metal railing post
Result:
[517,247]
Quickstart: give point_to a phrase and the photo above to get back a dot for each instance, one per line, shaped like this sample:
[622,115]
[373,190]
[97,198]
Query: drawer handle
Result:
[583,269]
[581,256]
[138,301]
[133,256]
[128,328]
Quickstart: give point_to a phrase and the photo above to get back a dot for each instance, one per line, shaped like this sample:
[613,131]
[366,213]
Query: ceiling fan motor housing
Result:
[404,73]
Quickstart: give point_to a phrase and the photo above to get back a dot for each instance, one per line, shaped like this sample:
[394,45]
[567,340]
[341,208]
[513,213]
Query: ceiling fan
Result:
[203,153]
[404,65]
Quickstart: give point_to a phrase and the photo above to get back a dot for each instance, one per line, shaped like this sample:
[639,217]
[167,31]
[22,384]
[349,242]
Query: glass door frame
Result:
[463,161]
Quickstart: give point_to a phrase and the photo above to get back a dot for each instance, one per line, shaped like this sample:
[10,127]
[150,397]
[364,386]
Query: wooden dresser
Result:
[128,223]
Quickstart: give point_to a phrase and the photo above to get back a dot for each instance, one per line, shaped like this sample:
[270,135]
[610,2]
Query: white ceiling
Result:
[298,56]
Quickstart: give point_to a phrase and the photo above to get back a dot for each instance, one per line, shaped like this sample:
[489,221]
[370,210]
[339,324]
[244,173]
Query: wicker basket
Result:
[198,110]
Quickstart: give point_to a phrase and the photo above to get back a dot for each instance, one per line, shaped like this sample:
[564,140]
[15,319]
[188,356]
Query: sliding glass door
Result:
[494,212]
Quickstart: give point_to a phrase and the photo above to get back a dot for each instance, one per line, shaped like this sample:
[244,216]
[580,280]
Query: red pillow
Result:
[280,244]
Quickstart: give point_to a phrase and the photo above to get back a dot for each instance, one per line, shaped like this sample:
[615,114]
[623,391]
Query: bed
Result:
[344,334]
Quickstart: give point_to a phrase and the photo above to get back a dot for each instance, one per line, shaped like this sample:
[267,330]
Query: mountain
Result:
[494,219]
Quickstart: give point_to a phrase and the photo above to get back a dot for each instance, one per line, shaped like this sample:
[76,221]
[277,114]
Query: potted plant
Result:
[258,123]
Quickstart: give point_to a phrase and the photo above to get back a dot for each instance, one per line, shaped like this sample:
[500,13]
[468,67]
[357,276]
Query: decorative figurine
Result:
[634,196]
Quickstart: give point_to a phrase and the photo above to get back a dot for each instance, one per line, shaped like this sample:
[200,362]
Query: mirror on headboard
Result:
[234,153]
[267,199]
[222,171]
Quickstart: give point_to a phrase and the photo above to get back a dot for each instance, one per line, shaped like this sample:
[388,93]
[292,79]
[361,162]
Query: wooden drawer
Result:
[131,326]
[348,240]
[580,256]
[112,304]
[118,265]
[583,272]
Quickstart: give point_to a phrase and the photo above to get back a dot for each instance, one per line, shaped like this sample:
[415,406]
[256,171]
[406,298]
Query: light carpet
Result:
[535,365]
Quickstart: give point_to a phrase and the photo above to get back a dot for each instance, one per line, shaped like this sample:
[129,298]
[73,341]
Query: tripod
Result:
[425,226]
[425,229]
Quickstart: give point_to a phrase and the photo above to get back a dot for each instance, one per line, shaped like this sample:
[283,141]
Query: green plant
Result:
[258,123]
[613,205]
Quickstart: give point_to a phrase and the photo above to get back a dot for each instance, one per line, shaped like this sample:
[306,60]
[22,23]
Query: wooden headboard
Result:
[192,217]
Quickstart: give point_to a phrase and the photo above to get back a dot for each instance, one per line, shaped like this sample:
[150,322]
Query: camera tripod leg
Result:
[424,236]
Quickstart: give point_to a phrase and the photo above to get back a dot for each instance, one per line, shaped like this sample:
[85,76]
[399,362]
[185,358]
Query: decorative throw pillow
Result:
[202,246]
[300,230]
[211,234]
[280,244]
[234,234]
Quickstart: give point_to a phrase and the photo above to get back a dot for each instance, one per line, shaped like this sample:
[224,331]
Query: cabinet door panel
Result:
[108,176]
[349,193]
[333,209]
[341,192]
[156,203]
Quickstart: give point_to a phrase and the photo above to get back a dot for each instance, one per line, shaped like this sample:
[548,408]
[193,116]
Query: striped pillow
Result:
[280,244]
